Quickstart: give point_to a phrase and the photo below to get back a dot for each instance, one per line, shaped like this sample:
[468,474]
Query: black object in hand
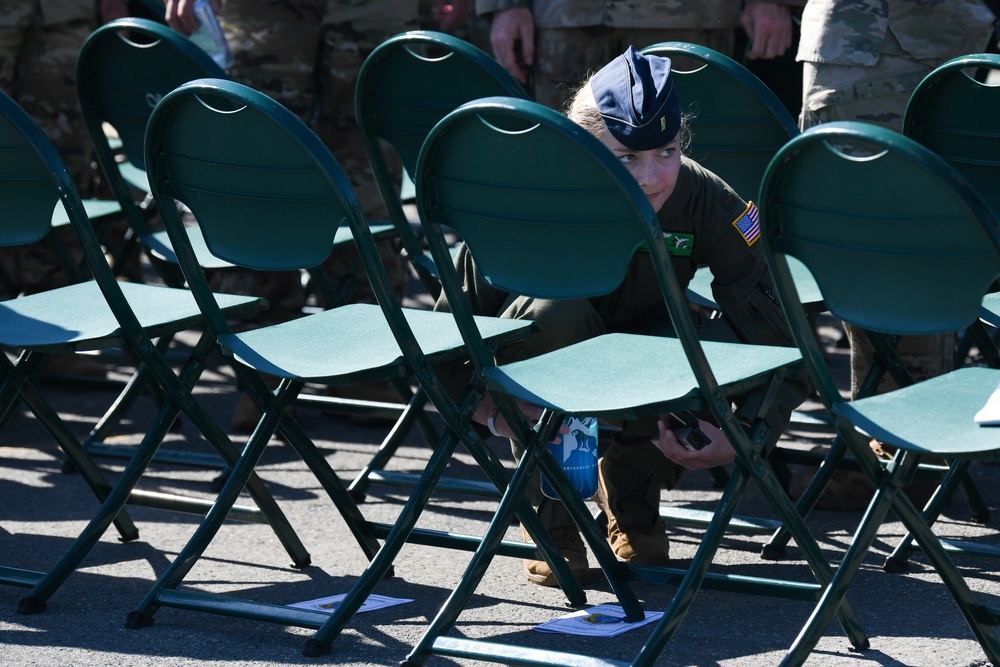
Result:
[685,427]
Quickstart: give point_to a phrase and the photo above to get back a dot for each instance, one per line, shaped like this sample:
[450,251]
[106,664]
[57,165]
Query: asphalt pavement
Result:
[909,617]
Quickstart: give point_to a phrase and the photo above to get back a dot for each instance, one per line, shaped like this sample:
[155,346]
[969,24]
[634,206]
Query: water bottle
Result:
[209,35]
[576,452]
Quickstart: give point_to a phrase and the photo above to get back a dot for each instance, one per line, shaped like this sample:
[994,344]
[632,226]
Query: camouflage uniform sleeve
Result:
[484,7]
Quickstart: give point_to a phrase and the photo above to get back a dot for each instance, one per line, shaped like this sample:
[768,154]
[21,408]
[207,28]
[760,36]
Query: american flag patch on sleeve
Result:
[748,225]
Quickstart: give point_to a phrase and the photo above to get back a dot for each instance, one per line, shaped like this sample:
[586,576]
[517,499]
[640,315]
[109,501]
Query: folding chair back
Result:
[404,88]
[28,193]
[488,158]
[269,184]
[737,123]
[894,216]
[956,113]
[122,71]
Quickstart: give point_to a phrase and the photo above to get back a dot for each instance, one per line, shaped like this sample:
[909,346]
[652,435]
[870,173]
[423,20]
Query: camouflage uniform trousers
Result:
[342,53]
[278,49]
[565,57]
[37,69]
[875,95]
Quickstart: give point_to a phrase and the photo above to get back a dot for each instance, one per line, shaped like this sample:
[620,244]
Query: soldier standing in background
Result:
[558,43]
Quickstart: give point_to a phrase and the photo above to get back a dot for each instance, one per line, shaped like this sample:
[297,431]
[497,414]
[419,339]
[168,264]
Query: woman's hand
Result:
[532,413]
[716,453]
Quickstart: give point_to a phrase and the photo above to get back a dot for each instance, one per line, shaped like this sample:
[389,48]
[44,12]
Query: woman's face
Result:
[655,170]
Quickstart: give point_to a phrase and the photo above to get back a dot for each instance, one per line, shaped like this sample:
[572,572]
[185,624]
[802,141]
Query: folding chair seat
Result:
[867,222]
[197,154]
[525,188]
[99,314]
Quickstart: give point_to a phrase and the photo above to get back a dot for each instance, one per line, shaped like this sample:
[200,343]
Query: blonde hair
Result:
[582,110]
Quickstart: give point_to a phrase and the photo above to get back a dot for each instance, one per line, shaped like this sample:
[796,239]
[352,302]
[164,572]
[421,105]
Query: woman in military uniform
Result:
[632,107]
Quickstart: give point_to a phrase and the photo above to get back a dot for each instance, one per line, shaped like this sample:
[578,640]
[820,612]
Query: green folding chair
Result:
[406,85]
[737,125]
[124,68]
[197,154]
[404,88]
[957,115]
[954,112]
[122,71]
[526,188]
[99,314]
[900,244]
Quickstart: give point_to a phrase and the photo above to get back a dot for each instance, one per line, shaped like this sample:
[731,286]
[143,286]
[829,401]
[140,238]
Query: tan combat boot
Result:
[571,546]
[649,546]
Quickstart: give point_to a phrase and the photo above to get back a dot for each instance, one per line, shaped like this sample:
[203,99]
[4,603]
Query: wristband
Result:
[490,424]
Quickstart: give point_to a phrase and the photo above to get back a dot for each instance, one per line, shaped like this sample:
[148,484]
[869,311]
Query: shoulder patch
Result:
[748,225]
[678,244]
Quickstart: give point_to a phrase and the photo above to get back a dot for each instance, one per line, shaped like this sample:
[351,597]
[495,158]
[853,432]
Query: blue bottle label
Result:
[576,453]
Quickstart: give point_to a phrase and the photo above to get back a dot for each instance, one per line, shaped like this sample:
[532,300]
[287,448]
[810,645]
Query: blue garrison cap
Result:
[637,100]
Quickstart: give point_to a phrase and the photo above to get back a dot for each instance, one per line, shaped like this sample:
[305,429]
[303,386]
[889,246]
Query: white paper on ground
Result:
[604,620]
[329,604]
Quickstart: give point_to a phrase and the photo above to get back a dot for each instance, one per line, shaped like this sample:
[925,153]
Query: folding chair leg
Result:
[981,619]
[139,384]
[85,466]
[885,499]
[389,445]
[476,569]
[381,566]
[446,617]
[696,573]
[333,486]
[142,616]
[123,490]
[616,572]
[774,549]
[957,478]
[274,417]
[544,545]
[810,549]
[975,500]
